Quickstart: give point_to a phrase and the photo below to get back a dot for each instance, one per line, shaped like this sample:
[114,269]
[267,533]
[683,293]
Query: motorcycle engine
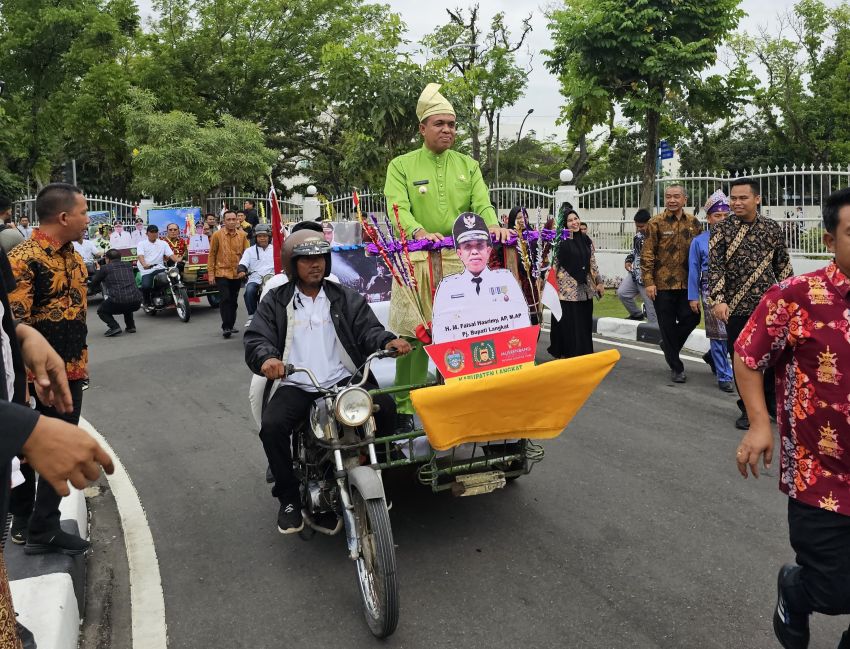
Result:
[321,495]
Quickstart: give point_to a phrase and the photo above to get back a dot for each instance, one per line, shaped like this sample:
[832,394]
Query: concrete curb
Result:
[636,331]
[48,590]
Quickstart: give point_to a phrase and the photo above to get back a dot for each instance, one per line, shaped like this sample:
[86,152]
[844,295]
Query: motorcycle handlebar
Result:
[383,353]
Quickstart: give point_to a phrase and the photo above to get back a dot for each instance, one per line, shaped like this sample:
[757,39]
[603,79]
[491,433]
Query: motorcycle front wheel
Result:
[181,301]
[376,566]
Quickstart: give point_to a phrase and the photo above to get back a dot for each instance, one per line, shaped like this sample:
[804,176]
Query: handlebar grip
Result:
[389,353]
[288,369]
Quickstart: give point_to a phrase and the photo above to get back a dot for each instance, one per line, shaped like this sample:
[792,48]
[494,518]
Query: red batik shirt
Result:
[801,328]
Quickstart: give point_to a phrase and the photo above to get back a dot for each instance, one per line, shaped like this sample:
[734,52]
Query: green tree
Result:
[53,56]
[268,62]
[484,77]
[803,100]
[175,157]
[641,58]
[372,116]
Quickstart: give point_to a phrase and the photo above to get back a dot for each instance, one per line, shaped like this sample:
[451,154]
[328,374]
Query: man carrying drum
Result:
[431,186]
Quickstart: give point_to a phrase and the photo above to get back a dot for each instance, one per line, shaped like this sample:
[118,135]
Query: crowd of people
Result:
[781,340]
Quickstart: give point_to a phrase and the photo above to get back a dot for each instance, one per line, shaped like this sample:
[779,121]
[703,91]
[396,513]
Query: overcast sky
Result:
[542,93]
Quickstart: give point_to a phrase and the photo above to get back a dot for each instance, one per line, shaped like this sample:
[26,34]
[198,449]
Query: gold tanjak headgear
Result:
[431,102]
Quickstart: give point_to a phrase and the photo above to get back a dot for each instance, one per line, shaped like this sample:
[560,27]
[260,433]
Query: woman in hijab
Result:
[578,283]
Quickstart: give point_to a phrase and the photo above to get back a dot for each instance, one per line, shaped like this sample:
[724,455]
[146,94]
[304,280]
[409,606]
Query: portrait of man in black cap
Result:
[478,293]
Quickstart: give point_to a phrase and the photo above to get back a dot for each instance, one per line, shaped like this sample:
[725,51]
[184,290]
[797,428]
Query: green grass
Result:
[611,307]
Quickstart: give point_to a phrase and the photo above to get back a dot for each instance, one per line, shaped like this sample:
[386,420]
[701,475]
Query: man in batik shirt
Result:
[50,296]
[177,243]
[801,328]
[746,256]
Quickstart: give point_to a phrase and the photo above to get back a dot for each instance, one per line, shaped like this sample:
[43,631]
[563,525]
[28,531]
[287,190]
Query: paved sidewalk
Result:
[48,590]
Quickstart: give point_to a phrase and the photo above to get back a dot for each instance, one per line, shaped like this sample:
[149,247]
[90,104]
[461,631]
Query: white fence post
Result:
[312,207]
[144,205]
[566,193]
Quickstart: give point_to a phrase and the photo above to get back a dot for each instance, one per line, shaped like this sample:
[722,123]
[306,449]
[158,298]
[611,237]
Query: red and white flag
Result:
[277,229]
[549,295]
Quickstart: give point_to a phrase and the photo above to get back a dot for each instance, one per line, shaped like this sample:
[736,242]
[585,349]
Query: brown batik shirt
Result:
[664,256]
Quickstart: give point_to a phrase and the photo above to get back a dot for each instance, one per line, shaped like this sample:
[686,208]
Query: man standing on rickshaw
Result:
[431,186]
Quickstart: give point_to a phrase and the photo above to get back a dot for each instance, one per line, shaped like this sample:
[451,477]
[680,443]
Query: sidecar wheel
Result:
[376,566]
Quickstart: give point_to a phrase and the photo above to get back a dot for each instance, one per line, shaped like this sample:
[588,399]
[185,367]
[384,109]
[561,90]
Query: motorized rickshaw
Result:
[197,280]
[339,459]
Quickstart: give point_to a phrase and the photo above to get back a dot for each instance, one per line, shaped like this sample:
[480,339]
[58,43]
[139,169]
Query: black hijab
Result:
[574,256]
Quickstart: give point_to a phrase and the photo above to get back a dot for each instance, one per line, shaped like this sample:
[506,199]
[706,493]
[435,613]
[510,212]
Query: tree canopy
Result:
[643,58]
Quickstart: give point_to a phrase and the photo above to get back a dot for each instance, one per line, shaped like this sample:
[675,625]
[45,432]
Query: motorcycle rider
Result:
[257,262]
[324,327]
[152,253]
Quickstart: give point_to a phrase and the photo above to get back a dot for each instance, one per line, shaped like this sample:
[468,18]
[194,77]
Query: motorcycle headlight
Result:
[173,273]
[353,406]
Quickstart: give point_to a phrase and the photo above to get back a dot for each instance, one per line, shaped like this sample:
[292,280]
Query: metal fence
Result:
[342,205]
[289,210]
[120,210]
[802,236]
[798,191]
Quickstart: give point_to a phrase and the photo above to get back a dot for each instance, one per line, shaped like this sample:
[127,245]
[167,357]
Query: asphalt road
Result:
[635,531]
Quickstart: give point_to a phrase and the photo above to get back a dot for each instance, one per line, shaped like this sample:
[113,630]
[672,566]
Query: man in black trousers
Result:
[664,265]
[122,296]
[746,256]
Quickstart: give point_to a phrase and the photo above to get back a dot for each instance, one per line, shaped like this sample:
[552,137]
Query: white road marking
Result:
[146,599]
[608,341]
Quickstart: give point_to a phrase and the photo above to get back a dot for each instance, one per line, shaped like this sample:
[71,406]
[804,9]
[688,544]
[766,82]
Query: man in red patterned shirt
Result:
[802,328]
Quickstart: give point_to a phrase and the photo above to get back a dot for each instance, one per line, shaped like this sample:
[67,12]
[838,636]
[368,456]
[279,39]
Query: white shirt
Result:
[259,262]
[154,254]
[199,243]
[462,305]
[121,240]
[314,343]
[25,231]
[87,250]
[6,350]
[280,279]
[136,235]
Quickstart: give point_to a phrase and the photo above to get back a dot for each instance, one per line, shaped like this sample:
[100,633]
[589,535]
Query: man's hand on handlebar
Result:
[400,346]
[273,369]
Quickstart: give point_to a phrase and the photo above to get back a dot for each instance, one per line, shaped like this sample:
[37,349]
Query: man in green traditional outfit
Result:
[431,186]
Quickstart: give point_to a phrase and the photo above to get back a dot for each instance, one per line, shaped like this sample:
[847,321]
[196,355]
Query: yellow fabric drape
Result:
[535,403]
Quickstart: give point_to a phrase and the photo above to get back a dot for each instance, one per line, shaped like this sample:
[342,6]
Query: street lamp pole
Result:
[519,133]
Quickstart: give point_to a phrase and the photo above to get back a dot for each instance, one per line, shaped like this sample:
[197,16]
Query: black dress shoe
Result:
[57,541]
[639,316]
[234,330]
[726,386]
[710,361]
[743,422]
[226,333]
[114,331]
[791,629]
[678,377]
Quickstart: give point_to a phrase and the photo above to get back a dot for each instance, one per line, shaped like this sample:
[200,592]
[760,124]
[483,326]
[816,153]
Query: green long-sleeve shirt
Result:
[454,186]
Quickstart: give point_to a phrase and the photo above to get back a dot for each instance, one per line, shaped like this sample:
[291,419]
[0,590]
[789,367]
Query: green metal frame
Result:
[438,471]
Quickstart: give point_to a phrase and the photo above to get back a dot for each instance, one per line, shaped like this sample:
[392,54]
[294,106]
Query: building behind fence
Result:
[793,196]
